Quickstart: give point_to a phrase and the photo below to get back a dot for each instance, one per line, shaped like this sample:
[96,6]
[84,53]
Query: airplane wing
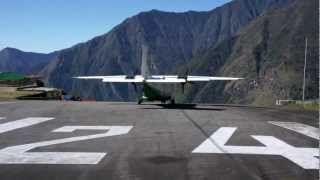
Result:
[157,78]
[210,78]
[116,78]
[98,77]
[178,79]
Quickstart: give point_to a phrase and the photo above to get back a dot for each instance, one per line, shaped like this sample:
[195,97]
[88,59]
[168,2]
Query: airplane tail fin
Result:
[145,72]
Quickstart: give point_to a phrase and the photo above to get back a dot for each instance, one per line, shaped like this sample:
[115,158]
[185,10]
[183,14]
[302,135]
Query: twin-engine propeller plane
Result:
[150,93]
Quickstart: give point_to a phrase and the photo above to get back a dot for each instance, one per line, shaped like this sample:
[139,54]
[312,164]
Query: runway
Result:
[109,140]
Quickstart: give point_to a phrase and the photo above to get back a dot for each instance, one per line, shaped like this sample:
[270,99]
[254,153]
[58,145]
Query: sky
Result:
[48,25]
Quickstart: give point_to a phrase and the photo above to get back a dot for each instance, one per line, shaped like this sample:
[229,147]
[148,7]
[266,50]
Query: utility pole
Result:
[304,70]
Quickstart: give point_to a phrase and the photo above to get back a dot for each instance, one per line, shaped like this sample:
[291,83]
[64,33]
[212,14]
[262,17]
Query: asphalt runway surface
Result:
[42,140]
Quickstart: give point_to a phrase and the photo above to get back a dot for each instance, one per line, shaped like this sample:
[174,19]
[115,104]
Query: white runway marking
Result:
[304,157]
[9,126]
[19,155]
[299,128]
[7,103]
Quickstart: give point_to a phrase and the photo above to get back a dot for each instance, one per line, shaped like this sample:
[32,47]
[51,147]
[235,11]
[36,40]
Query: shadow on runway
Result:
[237,106]
[183,106]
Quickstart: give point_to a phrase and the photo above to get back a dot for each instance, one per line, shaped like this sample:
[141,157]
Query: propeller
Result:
[185,76]
[183,87]
[135,87]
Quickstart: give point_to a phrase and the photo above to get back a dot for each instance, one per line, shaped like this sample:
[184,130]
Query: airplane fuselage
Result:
[150,93]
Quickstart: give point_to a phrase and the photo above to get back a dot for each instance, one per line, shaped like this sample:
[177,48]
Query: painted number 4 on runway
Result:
[306,158]
[19,154]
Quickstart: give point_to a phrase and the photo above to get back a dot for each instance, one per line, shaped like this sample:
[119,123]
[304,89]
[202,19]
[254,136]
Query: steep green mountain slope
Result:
[269,53]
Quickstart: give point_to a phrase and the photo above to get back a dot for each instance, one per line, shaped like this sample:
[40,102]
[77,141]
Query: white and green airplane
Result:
[150,93]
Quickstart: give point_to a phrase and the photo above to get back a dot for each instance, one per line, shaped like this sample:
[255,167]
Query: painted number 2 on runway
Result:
[19,154]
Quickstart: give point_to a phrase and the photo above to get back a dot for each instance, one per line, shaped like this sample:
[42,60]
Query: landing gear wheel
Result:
[172,101]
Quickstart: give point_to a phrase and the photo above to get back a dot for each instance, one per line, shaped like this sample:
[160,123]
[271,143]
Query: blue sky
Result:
[48,25]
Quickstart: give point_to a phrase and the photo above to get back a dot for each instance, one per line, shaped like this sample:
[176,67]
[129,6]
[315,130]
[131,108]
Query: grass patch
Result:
[307,106]
[14,94]
[311,106]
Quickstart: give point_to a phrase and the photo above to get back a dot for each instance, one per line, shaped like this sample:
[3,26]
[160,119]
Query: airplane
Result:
[149,92]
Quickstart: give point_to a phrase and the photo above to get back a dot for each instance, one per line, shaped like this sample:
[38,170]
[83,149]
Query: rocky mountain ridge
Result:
[260,40]
[173,40]
[12,59]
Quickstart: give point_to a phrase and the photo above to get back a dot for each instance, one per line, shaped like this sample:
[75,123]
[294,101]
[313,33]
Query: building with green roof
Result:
[11,76]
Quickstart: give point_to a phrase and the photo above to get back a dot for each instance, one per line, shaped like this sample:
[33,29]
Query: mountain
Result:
[173,40]
[269,53]
[23,62]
